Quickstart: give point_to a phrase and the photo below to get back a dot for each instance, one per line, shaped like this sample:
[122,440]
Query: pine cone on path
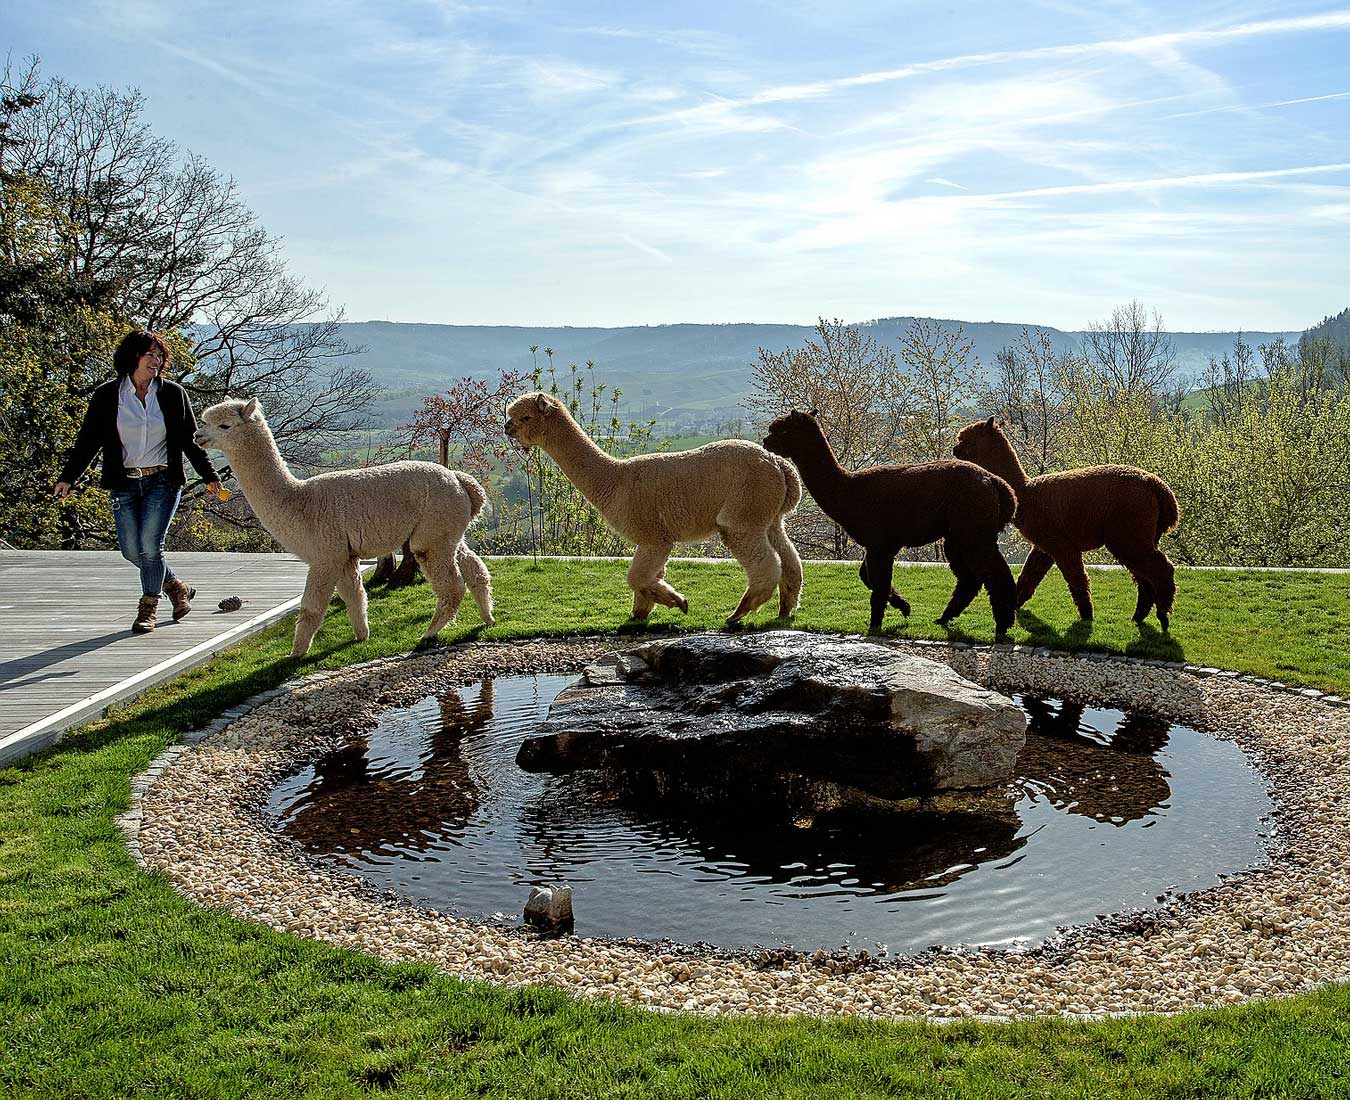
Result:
[230,603]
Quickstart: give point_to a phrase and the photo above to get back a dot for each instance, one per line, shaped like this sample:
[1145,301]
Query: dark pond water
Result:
[1112,810]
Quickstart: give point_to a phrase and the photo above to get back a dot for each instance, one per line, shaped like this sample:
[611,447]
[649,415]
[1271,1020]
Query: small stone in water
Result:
[549,907]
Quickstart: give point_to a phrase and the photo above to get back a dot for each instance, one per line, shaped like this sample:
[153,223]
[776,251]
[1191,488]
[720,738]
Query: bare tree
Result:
[1131,351]
[1227,382]
[942,382]
[1027,392]
[184,252]
[858,394]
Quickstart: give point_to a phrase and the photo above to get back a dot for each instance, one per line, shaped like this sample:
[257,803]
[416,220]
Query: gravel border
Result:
[196,818]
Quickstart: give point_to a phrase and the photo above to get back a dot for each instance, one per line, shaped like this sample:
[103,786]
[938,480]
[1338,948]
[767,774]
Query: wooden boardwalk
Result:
[66,647]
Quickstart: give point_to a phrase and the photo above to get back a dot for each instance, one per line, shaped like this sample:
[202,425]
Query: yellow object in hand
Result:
[223,494]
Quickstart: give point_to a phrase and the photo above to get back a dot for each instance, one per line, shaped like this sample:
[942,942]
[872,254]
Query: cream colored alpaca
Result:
[732,487]
[334,520]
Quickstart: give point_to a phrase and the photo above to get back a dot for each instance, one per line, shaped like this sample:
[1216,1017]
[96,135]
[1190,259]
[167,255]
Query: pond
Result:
[1110,811]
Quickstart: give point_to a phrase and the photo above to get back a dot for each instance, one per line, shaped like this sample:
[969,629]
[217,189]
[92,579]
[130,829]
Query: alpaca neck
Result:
[263,474]
[1003,462]
[585,464]
[825,479]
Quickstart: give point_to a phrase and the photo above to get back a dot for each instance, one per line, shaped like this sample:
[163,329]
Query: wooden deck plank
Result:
[65,631]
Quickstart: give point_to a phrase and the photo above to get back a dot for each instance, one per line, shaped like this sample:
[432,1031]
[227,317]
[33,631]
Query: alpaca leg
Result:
[763,569]
[1144,604]
[997,579]
[1071,565]
[479,580]
[353,594]
[442,572]
[1136,559]
[896,600]
[967,582]
[1037,565]
[645,578]
[790,585]
[319,586]
[877,567]
[1162,575]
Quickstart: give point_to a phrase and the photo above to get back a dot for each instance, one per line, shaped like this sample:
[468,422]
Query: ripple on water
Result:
[1113,809]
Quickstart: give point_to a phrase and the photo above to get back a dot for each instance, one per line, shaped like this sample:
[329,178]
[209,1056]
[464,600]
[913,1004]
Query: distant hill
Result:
[681,374]
[1336,329]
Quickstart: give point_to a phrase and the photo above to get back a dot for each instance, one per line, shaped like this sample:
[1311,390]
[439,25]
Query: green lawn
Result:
[113,986]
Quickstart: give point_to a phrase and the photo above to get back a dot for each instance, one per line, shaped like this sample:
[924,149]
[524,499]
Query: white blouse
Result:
[145,440]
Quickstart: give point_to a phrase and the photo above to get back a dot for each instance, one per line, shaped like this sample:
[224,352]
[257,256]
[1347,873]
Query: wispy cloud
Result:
[1205,179]
[1153,45]
[1258,106]
[697,42]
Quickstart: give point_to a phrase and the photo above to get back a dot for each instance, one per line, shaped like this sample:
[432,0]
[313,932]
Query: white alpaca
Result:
[732,487]
[334,520]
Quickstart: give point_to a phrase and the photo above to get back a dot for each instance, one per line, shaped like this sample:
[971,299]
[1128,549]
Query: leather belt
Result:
[144,471]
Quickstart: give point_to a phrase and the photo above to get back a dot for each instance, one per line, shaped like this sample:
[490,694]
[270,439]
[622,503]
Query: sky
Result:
[618,163]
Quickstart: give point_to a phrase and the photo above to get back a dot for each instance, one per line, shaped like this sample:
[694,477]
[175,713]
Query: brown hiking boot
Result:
[180,592]
[145,615]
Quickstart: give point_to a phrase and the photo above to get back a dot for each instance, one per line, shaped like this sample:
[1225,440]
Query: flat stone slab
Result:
[821,721]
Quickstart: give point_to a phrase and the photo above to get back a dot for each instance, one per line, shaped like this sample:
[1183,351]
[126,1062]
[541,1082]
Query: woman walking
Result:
[143,423]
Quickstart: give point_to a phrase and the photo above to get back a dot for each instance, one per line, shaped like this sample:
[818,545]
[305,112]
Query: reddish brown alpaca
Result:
[1062,515]
[886,508]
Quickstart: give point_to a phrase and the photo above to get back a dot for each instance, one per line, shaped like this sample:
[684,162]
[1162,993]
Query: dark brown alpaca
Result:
[886,508]
[1063,515]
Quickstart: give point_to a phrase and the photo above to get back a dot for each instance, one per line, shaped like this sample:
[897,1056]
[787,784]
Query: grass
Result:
[112,985]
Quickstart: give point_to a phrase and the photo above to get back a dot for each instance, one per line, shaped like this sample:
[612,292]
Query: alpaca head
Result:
[794,435]
[982,443]
[226,425]
[530,416]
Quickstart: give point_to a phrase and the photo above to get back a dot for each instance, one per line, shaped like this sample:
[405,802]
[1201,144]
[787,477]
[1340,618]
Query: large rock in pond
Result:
[808,722]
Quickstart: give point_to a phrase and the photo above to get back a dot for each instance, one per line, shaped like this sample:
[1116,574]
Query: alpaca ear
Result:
[990,423]
[250,409]
[543,405]
[812,413]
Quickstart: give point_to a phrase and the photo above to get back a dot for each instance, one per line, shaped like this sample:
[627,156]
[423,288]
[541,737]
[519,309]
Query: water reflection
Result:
[1097,763]
[859,854]
[405,800]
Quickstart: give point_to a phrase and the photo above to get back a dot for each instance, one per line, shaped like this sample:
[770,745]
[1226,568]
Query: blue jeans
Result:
[143,514]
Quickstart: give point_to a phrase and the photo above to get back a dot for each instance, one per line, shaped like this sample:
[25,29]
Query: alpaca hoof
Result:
[944,621]
[1162,622]
[488,620]
[900,605]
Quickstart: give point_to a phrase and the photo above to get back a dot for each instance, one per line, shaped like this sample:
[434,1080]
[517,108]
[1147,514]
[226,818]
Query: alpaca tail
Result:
[477,497]
[1007,502]
[1169,513]
[793,495]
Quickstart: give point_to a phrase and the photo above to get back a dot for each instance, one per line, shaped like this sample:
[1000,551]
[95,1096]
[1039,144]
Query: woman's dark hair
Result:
[135,344]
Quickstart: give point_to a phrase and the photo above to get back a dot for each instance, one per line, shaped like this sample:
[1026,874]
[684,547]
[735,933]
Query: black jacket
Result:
[99,432]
